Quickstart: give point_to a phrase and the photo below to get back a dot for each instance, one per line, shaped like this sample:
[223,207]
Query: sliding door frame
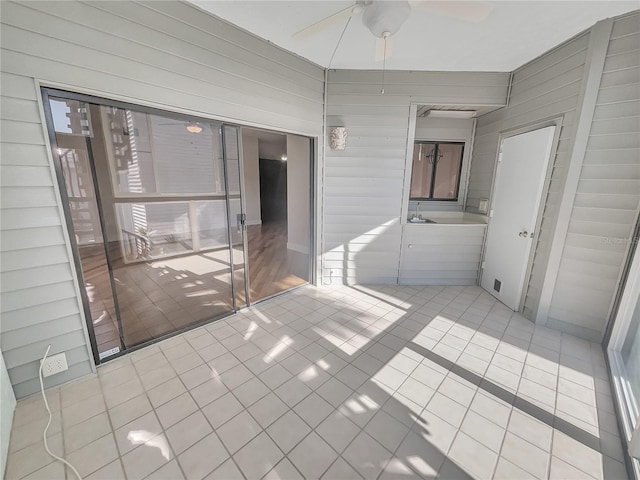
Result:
[46,94]
[620,323]
[74,92]
[243,226]
[75,250]
[314,207]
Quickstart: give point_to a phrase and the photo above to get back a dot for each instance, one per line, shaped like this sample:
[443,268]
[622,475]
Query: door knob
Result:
[524,233]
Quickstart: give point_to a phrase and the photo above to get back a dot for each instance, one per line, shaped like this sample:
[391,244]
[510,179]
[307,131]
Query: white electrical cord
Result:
[44,434]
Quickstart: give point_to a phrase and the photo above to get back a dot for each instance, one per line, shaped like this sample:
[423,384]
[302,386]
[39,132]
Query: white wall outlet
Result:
[55,364]
[483,205]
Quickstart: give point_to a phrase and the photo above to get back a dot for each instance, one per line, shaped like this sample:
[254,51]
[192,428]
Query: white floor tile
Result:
[238,431]
[312,457]
[349,383]
[258,457]
[288,430]
[203,457]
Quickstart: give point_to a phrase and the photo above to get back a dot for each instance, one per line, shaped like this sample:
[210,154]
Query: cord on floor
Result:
[44,434]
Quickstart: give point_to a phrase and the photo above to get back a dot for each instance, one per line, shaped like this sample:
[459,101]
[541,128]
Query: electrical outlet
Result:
[55,364]
[483,205]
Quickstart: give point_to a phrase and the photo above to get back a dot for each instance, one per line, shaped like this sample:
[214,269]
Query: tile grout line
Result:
[397,324]
[113,430]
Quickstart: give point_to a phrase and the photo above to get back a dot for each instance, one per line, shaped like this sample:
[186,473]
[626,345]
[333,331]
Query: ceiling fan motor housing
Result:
[385,17]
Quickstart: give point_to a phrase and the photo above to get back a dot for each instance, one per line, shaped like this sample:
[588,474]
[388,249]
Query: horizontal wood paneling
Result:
[33,257]
[441,254]
[364,184]
[166,54]
[608,196]
[545,88]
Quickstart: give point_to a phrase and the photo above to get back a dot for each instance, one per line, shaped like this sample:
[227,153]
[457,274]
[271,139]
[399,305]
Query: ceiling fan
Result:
[384,18]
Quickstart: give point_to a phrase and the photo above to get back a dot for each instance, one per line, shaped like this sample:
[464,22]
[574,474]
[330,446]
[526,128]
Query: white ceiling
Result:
[513,33]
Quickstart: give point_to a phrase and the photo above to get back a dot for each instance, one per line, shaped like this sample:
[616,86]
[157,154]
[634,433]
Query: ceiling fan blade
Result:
[469,11]
[381,52]
[327,21]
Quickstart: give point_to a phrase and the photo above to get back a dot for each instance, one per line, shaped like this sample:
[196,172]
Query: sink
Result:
[421,220]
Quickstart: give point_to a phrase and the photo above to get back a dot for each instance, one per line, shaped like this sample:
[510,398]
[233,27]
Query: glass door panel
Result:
[623,350]
[278,200]
[73,154]
[237,217]
[151,213]
[630,355]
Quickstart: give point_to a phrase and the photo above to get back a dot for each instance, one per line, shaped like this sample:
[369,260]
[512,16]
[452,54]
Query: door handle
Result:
[241,219]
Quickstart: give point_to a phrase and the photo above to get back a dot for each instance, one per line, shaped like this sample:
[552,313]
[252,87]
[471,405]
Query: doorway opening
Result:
[151,200]
[277,194]
[162,234]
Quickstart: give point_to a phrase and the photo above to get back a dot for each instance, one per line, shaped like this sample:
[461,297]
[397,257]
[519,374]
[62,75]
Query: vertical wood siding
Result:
[363,185]
[166,54]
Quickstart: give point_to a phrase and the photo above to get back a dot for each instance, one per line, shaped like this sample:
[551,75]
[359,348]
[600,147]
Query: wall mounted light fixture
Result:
[338,138]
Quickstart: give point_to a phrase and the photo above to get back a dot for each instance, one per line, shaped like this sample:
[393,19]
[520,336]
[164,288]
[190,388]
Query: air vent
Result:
[497,284]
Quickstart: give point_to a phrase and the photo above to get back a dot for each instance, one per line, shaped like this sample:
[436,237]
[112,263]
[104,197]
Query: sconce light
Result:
[338,138]
[194,127]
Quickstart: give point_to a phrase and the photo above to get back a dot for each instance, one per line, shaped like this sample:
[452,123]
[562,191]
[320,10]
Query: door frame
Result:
[624,403]
[45,94]
[511,132]
[314,207]
[45,88]
[243,209]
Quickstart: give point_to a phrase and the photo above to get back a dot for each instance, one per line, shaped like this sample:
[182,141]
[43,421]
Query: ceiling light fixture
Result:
[385,18]
[452,113]
[194,127]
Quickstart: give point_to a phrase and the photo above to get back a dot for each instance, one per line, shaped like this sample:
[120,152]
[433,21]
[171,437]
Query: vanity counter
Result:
[451,218]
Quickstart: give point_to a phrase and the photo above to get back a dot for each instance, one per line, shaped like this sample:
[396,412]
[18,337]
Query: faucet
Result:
[416,215]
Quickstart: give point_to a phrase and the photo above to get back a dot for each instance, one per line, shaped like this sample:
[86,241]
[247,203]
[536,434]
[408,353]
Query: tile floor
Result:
[339,382]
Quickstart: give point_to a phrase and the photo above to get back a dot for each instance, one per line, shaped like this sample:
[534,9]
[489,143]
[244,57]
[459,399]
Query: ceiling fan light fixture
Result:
[194,127]
[382,17]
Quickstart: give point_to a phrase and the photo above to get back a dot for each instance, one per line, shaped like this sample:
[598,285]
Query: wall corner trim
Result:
[599,37]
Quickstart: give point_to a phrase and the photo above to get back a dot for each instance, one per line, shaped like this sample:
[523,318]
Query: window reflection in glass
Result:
[154,230]
[447,171]
[149,212]
[158,155]
[436,169]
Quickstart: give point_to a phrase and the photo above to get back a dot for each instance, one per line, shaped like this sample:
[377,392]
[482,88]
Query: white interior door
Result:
[520,177]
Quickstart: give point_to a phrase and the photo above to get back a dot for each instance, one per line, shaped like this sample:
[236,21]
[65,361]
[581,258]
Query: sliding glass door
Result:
[154,215]
[623,350]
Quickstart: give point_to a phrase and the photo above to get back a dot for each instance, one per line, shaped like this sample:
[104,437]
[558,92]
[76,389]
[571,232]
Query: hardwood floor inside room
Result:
[272,267]
[155,297]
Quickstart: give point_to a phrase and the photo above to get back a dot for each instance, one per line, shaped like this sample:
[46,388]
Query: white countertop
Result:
[452,218]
